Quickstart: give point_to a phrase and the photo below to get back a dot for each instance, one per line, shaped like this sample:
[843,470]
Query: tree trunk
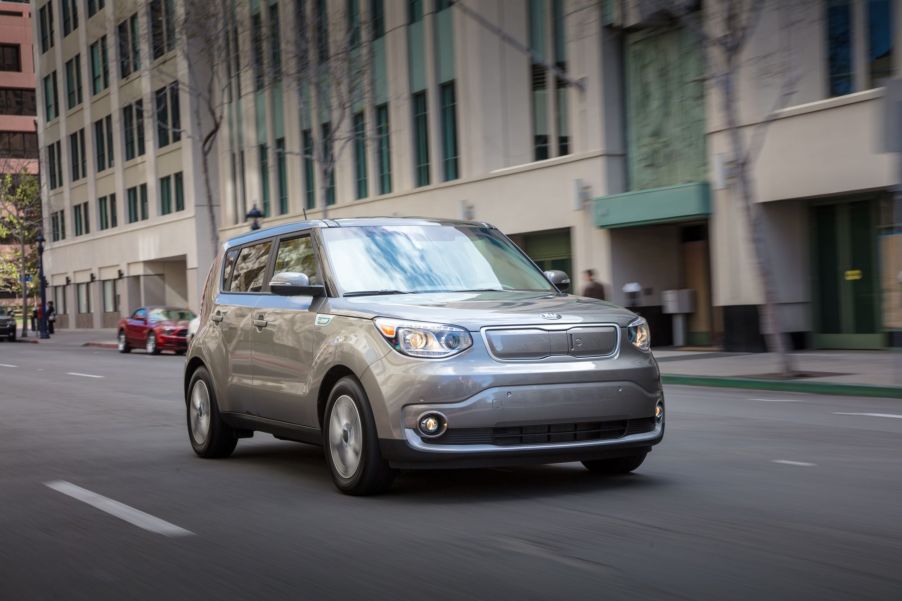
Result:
[24,288]
[214,232]
[777,341]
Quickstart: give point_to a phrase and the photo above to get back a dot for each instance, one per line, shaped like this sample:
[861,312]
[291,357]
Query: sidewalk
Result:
[855,373]
[104,338]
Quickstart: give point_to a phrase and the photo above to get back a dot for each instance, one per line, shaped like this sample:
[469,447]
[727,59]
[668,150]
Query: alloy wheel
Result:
[345,436]
[199,412]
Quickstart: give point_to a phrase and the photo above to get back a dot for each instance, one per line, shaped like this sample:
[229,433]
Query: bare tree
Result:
[20,222]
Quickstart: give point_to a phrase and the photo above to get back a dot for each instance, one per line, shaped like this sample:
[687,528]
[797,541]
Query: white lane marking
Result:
[8,365]
[892,415]
[76,373]
[778,400]
[796,463]
[122,511]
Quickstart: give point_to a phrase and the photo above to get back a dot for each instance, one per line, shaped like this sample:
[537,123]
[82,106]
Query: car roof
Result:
[299,226]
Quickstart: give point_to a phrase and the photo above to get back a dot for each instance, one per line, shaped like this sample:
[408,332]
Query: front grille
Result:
[182,333]
[546,433]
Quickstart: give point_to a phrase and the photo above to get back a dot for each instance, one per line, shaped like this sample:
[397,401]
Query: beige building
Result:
[614,161]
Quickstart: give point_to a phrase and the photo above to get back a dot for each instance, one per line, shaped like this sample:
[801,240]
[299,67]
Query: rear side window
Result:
[250,268]
[228,264]
[297,255]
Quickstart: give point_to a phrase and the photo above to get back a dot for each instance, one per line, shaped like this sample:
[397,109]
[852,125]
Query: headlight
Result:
[426,340]
[639,334]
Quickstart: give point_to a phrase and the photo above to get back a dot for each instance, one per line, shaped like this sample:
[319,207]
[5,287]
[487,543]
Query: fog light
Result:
[432,424]
[659,412]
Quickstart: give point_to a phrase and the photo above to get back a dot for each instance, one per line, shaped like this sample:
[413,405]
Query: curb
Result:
[27,340]
[785,386]
[108,345]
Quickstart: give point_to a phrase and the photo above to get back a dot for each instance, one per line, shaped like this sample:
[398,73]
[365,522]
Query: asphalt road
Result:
[752,495]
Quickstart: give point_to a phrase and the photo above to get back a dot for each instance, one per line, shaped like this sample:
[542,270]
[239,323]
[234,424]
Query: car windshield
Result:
[397,259]
[171,315]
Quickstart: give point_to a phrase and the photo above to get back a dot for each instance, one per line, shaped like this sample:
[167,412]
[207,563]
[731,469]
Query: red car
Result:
[155,329]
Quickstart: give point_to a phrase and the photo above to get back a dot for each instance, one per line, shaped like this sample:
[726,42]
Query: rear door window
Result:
[297,255]
[228,264]
[250,268]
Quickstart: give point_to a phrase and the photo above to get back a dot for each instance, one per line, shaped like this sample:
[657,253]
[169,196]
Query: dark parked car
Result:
[7,324]
[155,329]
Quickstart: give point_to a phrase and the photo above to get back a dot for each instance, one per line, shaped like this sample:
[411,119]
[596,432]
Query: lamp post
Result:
[42,286]
[254,214]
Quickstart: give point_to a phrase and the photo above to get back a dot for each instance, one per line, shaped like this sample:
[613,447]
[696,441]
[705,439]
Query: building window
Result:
[538,78]
[58,225]
[880,42]
[82,223]
[45,16]
[353,14]
[839,47]
[100,66]
[94,6]
[77,160]
[360,155]
[18,145]
[55,164]
[106,212]
[103,143]
[16,101]
[129,46]
[377,18]
[322,32]
[275,42]
[137,203]
[70,16]
[10,57]
[329,158]
[73,82]
[51,97]
[179,191]
[162,26]
[414,11]
[111,296]
[559,40]
[309,174]
[263,151]
[383,149]
[165,195]
[83,291]
[449,131]
[59,295]
[168,115]
[421,139]
[133,129]
[257,44]
[282,175]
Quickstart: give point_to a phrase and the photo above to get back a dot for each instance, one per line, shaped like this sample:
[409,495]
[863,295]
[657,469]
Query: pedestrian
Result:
[34,319]
[594,288]
[51,317]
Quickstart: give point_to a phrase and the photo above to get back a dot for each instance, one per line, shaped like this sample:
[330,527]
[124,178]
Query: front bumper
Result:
[167,342]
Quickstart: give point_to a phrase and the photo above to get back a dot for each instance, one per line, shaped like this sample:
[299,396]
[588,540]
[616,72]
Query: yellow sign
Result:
[853,274]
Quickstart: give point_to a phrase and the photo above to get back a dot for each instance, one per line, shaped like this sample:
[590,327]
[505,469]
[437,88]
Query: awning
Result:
[684,202]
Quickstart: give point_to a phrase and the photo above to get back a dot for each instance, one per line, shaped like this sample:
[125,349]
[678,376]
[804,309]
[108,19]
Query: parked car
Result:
[192,328]
[7,324]
[155,329]
[414,343]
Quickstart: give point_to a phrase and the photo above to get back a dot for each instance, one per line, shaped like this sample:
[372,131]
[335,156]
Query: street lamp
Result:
[254,214]
[42,286]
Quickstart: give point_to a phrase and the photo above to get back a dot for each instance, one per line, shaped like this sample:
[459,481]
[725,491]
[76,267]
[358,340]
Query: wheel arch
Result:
[193,364]
[335,373]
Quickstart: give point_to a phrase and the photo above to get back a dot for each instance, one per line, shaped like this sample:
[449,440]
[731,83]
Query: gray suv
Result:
[415,343]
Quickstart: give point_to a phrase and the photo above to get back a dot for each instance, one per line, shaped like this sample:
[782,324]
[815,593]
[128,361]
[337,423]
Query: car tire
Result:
[210,436]
[151,345]
[616,465]
[351,443]
[12,336]
[123,345]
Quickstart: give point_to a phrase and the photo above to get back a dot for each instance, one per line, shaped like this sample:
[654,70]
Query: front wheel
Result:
[12,336]
[352,444]
[151,345]
[210,436]
[617,465]
[123,343]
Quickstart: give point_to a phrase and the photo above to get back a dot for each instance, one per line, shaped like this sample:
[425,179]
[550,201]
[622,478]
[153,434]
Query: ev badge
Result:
[550,316]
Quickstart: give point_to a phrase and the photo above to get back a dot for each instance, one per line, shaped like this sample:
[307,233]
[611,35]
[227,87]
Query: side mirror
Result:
[560,279]
[292,283]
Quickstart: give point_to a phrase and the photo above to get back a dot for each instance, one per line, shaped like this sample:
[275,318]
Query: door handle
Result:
[217,317]
[260,323]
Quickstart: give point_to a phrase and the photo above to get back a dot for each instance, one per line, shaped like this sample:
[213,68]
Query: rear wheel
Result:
[352,444]
[151,345]
[210,436]
[12,336]
[123,343]
[616,465]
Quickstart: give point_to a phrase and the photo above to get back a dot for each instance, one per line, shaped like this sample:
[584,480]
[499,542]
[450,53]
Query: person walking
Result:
[593,288]
[51,317]
[34,319]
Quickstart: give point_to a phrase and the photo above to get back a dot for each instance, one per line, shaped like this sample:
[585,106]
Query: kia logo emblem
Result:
[550,316]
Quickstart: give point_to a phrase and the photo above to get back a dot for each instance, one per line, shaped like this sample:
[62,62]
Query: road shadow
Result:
[305,462]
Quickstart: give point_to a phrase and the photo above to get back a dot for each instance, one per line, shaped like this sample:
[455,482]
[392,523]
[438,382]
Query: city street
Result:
[752,495]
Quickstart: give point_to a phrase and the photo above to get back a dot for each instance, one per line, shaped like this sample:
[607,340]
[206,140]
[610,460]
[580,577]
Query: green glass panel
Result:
[862,269]
[826,257]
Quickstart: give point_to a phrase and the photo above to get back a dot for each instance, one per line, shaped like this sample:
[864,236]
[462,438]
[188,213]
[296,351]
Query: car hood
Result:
[170,324]
[475,310]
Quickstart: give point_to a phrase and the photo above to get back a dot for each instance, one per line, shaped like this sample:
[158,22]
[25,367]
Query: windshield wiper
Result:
[375,292]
